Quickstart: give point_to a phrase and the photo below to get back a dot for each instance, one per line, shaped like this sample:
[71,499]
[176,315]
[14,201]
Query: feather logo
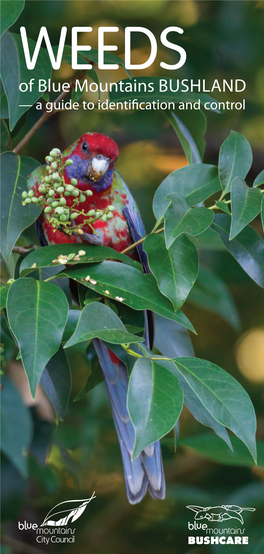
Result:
[66,512]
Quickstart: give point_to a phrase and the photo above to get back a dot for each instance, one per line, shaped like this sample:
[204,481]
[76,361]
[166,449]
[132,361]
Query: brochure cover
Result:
[132,276]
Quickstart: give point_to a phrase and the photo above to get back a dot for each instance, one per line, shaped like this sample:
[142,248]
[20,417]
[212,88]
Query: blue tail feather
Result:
[146,471]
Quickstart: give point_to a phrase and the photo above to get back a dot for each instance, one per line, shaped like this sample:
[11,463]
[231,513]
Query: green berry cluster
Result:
[53,192]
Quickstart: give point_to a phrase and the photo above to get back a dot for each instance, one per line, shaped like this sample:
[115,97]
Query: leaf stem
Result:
[131,352]
[214,207]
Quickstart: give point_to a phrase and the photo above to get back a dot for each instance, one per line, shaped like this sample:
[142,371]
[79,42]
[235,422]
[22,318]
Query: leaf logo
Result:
[67,511]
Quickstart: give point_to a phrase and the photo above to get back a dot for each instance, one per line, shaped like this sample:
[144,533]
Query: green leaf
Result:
[175,269]
[15,217]
[195,404]
[99,321]
[73,318]
[4,135]
[211,293]
[3,295]
[37,314]
[190,127]
[235,160]
[180,218]
[132,91]
[3,106]
[171,339]
[45,256]
[14,71]
[196,182]
[10,11]
[138,291]
[56,382]
[122,354]
[259,179]
[16,426]
[222,206]
[154,402]
[133,321]
[208,240]
[247,248]
[262,213]
[95,377]
[246,204]
[223,396]
[211,447]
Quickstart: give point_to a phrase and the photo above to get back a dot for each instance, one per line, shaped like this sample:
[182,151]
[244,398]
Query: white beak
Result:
[99,167]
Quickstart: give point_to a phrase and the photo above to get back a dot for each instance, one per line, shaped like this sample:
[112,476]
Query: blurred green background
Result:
[223,39]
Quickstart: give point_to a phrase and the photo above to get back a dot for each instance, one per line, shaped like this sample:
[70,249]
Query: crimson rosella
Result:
[93,158]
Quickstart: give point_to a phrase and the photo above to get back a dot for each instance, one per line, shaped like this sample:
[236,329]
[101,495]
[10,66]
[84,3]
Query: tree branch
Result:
[46,115]
[139,242]
[22,249]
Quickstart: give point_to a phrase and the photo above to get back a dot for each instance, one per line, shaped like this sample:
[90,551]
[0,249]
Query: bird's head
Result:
[93,156]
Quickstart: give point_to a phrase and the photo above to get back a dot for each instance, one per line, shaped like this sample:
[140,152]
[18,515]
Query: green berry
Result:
[54,165]
[60,190]
[30,193]
[48,159]
[62,201]
[91,213]
[89,193]
[74,215]
[69,188]
[47,210]
[24,194]
[42,188]
[74,182]
[104,217]
[68,162]
[49,200]
[76,192]
[56,176]
[110,215]
[67,194]
[47,179]
[1,350]
[111,208]
[51,192]
[41,197]
[55,204]
[34,200]
[28,201]
[66,211]
[54,152]
[82,198]
[63,217]
[59,210]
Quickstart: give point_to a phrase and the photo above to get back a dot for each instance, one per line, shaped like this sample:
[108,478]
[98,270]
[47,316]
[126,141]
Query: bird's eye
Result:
[85,146]
[100,157]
